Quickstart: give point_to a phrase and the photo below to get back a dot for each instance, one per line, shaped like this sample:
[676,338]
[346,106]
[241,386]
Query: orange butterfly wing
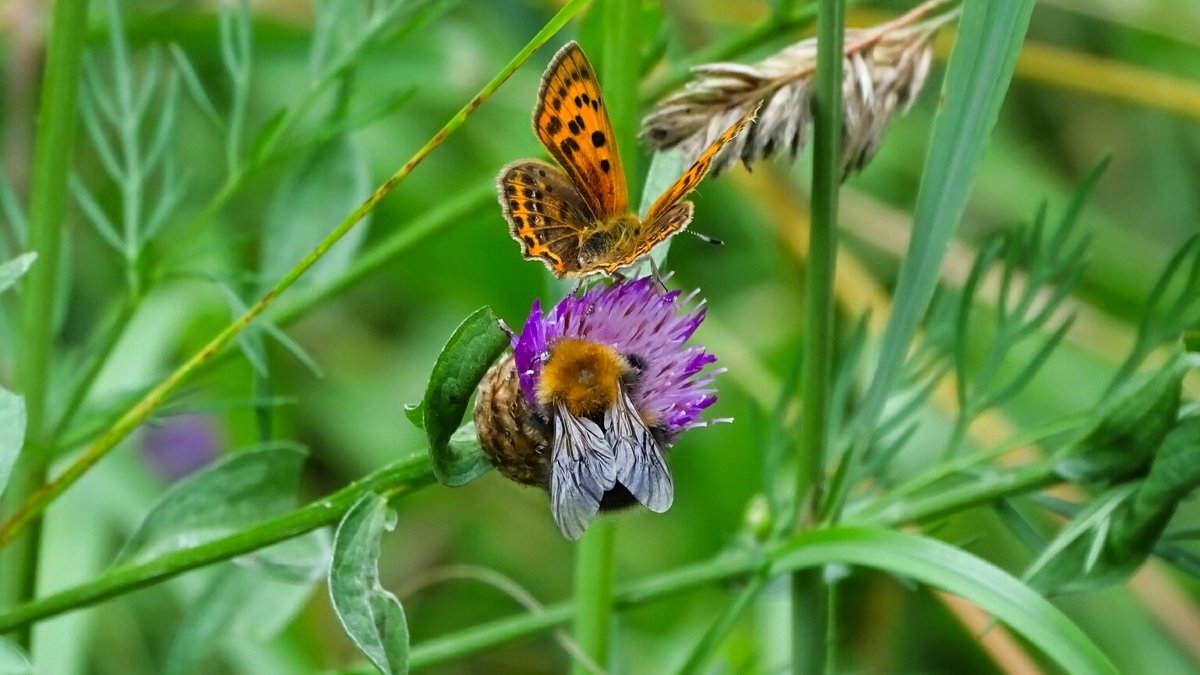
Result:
[545,214]
[571,121]
[662,207]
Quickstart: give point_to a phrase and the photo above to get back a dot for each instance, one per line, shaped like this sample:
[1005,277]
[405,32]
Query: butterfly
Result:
[576,219]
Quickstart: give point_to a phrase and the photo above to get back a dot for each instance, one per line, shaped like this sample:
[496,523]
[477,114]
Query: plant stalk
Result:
[810,594]
[393,480]
[49,195]
[593,593]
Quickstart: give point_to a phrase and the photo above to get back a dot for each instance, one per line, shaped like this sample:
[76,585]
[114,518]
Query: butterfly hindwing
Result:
[545,213]
[692,177]
[572,122]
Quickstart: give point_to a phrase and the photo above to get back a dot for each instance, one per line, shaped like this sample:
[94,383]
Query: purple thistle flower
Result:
[633,318]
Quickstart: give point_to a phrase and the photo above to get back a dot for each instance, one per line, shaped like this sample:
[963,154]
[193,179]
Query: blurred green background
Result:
[1099,78]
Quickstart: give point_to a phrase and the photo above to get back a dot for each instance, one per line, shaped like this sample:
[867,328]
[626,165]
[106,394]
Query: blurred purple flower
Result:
[180,445]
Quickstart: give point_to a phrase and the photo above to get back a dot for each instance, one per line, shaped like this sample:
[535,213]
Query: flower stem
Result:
[32,507]
[411,474]
[810,594]
[49,196]
[398,478]
[593,593]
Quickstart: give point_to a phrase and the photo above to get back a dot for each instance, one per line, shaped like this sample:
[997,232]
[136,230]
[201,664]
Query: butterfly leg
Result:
[658,278]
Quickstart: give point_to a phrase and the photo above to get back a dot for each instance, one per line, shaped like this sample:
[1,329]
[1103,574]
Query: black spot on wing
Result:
[598,139]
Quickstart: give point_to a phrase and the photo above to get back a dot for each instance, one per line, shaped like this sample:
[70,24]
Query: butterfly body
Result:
[576,219]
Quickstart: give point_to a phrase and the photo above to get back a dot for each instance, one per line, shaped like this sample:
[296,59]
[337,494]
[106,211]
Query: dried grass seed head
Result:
[884,70]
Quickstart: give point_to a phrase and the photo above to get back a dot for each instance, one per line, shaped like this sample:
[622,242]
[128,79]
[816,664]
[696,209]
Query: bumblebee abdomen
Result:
[517,444]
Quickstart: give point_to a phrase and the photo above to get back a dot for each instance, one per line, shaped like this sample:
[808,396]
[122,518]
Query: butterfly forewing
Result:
[571,121]
[692,177]
[545,213]
[581,471]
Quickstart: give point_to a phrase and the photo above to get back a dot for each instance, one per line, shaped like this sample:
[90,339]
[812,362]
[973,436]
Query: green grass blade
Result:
[977,77]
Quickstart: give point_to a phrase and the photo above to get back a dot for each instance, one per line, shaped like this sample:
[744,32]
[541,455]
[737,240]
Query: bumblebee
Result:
[583,440]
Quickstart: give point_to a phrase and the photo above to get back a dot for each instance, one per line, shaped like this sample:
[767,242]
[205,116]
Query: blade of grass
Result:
[132,418]
[977,77]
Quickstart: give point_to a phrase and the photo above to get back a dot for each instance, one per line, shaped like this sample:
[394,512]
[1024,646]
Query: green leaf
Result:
[977,77]
[249,600]
[12,270]
[942,566]
[12,432]
[370,615]
[1127,429]
[476,344]
[331,181]
[241,490]
[13,661]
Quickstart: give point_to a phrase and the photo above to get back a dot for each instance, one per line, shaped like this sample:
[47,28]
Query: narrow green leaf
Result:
[977,77]
[13,661]
[476,344]
[1067,563]
[12,432]
[191,82]
[951,569]
[370,615]
[268,136]
[245,488]
[12,270]
[330,181]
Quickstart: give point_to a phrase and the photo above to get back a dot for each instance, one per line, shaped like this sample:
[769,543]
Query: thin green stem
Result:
[810,594]
[32,507]
[593,593]
[49,196]
[414,473]
[1002,484]
[394,480]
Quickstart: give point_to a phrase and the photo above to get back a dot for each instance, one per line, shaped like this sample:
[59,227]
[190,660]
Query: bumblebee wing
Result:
[581,471]
[640,465]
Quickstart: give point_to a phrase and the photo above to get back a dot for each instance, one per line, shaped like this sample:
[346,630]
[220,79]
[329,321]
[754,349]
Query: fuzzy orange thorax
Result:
[584,376]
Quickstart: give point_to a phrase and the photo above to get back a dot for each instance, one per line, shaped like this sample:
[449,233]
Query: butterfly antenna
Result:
[705,238]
